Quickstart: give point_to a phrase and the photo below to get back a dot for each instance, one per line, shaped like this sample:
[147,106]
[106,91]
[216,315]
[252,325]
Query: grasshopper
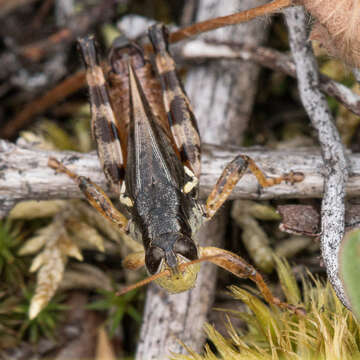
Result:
[149,148]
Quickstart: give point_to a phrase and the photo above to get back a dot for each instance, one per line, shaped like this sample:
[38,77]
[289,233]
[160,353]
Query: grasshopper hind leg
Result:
[183,126]
[105,127]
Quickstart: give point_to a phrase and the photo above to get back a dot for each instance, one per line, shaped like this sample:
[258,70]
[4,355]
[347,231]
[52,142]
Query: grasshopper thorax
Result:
[168,252]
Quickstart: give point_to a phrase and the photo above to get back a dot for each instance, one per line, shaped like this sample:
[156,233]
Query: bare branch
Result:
[270,58]
[335,163]
[24,173]
[243,16]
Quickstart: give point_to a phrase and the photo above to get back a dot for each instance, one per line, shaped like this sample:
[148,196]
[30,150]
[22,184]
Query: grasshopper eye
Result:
[153,258]
[186,247]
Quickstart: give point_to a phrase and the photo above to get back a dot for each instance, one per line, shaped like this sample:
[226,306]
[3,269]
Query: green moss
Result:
[327,331]
[12,267]
[45,322]
[117,307]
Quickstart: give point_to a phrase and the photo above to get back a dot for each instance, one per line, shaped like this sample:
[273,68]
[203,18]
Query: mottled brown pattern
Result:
[104,125]
[119,94]
[182,121]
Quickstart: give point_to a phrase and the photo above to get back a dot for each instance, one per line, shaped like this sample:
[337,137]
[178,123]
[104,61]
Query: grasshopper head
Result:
[169,253]
[122,49]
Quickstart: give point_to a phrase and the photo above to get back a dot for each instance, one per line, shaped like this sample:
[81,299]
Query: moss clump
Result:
[328,331]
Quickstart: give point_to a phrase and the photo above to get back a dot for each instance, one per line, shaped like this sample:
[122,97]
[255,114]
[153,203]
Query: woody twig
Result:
[25,175]
[335,168]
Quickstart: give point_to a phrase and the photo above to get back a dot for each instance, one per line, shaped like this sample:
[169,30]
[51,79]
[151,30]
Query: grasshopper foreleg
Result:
[134,261]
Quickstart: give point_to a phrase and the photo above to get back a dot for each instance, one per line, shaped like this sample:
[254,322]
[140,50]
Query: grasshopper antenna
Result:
[230,262]
[162,274]
[142,282]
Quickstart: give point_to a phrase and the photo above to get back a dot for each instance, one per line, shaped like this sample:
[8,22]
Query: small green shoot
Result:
[44,324]
[9,321]
[117,306]
[12,267]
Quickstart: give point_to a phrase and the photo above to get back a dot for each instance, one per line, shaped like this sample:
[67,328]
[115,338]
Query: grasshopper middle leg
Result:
[94,194]
[233,173]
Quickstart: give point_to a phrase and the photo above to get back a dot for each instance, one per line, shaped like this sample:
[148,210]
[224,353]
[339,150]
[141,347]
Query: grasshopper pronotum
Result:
[149,147]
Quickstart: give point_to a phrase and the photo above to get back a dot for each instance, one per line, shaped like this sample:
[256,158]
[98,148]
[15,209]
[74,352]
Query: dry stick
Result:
[237,18]
[78,26]
[59,92]
[335,162]
[62,90]
[35,52]
[270,58]
[7,6]
[25,175]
